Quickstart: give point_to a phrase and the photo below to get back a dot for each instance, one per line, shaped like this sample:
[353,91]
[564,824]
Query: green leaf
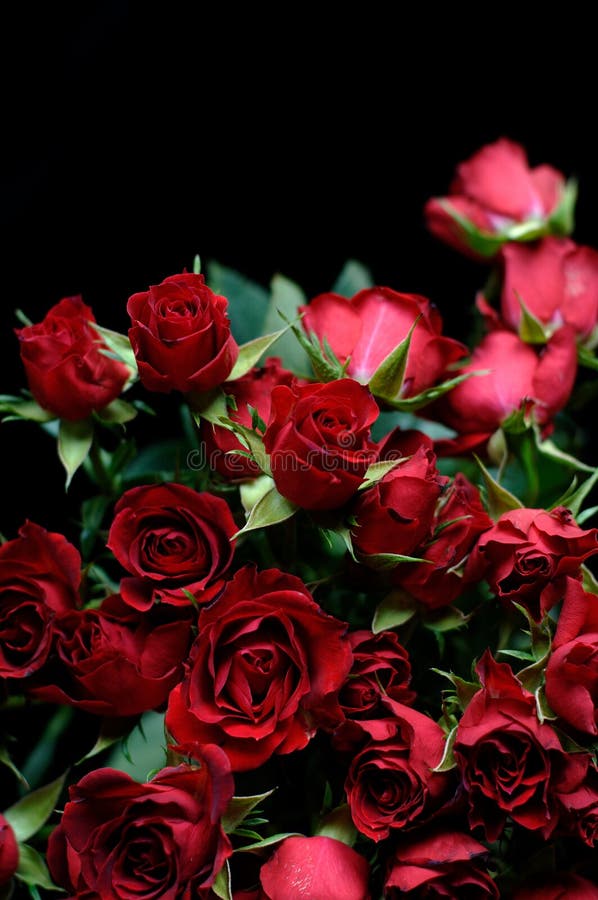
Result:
[239,808]
[523,655]
[222,886]
[448,618]
[247,301]
[499,500]
[387,380]
[562,219]
[5,760]
[119,345]
[271,509]
[250,353]
[412,404]
[210,406]
[574,497]
[377,470]
[448,760]
[252,491]
[25,408]
[586,514]
[589,581]
[465,690]
[27,815]
[32,869]
[268,841]
[338,824]
[74,443]
[390,560]
[253,441]
[324,362]
[549,449]
[112,729]
[118,412]
[285,300]
[397,608]
[354,277]
[531,330]
[145,748]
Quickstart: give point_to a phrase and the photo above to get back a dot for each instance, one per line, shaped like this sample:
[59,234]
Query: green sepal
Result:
[562,219]
[498,499]
[270,509]
[210,406]
[338,824]
[531,330]
[464,690]
[74,443]
[119,412]
[252,351]
[449,618]
[24,408]
[397,608]
[412,404]
[32,869]
[387,380]
[253,441]
[377,470]
[574,496]
[239,808]
[448,761]
[268,841]
[222,885]
[482,243]
[119,347]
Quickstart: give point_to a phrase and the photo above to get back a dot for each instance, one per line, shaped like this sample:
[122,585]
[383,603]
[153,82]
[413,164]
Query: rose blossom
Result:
[320,868]
[579,810]
[264,671]
[558,886]
[572,683]
[67,371]
[180,334]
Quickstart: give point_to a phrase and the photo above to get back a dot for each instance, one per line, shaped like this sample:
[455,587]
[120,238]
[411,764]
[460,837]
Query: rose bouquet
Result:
[325,624]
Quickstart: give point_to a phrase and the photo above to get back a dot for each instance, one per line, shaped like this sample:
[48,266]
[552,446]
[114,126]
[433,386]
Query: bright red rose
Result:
[492,191]
[264,671]
[557,280]
[395,515]
[171,537]
[114,661]
[565,886]
[40,574]
[443,864]
[67,372]
[9,852]
[530,556]
[517,377]
[572,683]
[319,442]
[579,810]
[391,784]
[510,764]
[320,868]
[162,840]
[181,335]
[373,323]
[459,521]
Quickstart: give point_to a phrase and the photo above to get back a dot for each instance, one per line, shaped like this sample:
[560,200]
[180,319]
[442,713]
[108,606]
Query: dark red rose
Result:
[395,515]
[319,442]
[579,810]
[373,323]
[391,784]
[40,574]
[255,390]
[444,864]
[531,556]
[559,886]
[459,521]
[181,335]
[512,765]
[67,372]
[264,671]
[403,442]
[518,377]
[171,537]
[493,191]
[162,840]
[9,852]
[572,683]
[114,661]
[557,280]
[320,868]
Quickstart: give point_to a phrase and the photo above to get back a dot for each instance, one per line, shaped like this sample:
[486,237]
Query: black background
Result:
[132,146]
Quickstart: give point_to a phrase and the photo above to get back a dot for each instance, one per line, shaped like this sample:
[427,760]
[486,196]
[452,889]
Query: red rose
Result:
[264,671]
[511,765]
[395,515]
[578,614]
[181,336]
[459,521]
[319,443]
[255,390]
[572,683]
[492,191]
[565,886]
[557,281]
[443,864]
[517,376]
[40,574]
[530,556]
[171,537]
[67,372]
[162,840]
[391,783]
[373,323]
[579,810]
[114,661]
[318,868]
[9,852]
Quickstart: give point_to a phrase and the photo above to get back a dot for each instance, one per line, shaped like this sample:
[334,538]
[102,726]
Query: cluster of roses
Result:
[248,666]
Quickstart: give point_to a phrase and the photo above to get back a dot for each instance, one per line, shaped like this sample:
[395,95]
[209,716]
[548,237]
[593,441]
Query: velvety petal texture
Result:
[318,868]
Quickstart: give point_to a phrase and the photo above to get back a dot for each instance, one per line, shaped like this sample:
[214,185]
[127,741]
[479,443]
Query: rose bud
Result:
[68,372]
[367,328]
[163,839]
[255,390]
[459,521]
[181,335]
[557,280]
[493,192]
[40,574]
[514,376]
[318,438]
[320,868]
[264,671]
[9,852]
[510,763]
[572,683]
[442,864]
[172,539]
[558,886]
